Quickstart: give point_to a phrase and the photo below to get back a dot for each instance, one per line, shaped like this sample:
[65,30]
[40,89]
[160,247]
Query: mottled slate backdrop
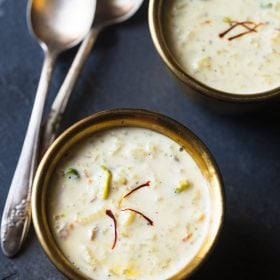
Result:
[125,71]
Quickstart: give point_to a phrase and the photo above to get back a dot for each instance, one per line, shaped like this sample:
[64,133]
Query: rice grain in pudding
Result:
[129,203]
[232,46]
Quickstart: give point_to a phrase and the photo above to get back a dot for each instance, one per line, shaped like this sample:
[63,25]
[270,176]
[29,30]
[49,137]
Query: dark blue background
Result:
[124,70]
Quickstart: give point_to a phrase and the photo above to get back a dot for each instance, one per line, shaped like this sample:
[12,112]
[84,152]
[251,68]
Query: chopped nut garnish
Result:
[91,218]
[200,217]
[130,218]
[128,271]
[93,233]
[89,178]
[119,201]
[72,173]
[120,177]
[107,184]
[123,181]
[187,237]
[65,231]
[183,185]
[196,196]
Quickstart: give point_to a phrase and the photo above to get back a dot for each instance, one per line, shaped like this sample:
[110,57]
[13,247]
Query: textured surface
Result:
[125,71]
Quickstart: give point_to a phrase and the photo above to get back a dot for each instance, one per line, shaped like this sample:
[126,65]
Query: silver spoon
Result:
[57,25]
[108,12]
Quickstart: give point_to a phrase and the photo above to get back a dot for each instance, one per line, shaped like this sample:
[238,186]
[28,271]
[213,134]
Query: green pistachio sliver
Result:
[227,19]
[183,185]
[72,173]
[266,6]
[106,187]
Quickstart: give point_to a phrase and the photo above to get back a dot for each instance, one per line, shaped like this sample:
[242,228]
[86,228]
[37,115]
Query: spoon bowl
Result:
[108,12]
[60,24]
[111,12]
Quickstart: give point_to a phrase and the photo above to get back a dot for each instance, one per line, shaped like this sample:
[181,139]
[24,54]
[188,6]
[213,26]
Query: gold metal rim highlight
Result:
[125,118]
[156,30]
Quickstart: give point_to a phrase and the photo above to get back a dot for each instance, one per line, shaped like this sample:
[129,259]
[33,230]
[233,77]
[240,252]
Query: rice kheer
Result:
[232,46]
[129,203]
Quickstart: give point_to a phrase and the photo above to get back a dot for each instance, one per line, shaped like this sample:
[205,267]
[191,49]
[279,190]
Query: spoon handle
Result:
[17,215]
[52,124]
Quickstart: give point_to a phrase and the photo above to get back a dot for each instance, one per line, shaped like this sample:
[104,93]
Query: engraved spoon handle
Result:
[50,129]
[17,215]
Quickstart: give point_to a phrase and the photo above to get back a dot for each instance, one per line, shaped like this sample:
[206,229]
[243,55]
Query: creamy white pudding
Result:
[129,203]
[232,46]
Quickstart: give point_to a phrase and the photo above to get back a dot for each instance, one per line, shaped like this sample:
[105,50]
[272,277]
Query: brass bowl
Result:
[124,118]
[223,101]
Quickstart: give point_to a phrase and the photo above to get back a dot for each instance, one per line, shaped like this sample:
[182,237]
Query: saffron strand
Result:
[111,215]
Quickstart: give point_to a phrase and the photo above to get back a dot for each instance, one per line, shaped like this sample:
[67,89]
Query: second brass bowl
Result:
[222,101]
